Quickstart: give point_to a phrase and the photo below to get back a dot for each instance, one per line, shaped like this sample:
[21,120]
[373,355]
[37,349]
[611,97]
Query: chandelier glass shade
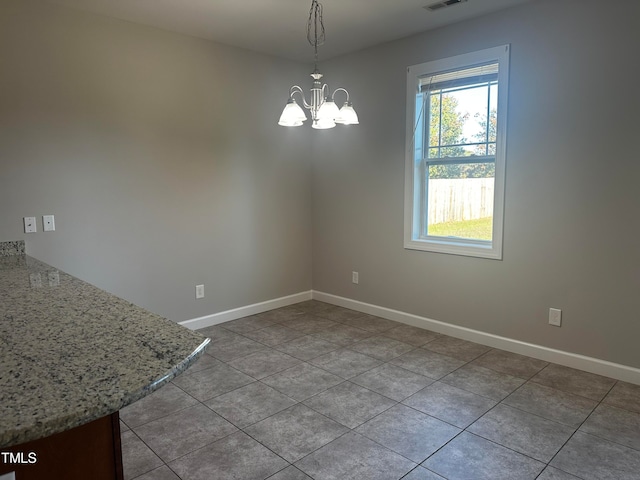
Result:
[324,111]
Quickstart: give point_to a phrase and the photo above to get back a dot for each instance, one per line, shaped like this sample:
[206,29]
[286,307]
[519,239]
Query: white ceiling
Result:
[278,27]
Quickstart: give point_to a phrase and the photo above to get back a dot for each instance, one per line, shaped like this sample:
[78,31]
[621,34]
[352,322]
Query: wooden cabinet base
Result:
[91,451]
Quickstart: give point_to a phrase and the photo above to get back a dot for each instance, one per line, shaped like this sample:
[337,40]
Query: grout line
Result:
[348,347]
[601,402]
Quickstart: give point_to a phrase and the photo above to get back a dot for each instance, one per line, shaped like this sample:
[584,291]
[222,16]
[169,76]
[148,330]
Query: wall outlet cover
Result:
[30,225]
[555,317]
[48,223]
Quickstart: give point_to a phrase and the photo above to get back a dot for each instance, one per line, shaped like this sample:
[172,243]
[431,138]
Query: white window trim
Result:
[456,246]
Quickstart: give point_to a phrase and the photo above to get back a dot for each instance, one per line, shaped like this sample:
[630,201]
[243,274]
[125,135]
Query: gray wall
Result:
[165,169]
[160,157]
[572,195]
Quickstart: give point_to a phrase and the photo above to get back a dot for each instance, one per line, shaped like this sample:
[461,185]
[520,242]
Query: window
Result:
[454,173]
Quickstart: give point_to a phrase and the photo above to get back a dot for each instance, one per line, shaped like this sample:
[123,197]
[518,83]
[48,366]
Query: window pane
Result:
[452,122]
[493,113]
[458,120]
[419,126]
[465,108]
[460,201]
[434,121]
[462,170]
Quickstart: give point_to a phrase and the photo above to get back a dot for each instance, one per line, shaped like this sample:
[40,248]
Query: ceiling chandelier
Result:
[324,112]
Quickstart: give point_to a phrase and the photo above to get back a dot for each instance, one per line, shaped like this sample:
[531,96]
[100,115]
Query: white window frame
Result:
[414,204]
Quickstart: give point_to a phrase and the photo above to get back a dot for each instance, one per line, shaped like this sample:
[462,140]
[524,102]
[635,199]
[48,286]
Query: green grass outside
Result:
[479,229]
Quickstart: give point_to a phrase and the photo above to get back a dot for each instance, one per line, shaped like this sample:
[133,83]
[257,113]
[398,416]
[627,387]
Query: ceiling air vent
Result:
[444,4]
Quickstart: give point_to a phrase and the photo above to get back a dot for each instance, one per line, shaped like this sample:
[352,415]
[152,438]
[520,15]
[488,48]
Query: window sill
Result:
[456,247]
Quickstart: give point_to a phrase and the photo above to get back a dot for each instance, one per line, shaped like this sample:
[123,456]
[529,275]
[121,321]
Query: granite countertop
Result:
[71,353]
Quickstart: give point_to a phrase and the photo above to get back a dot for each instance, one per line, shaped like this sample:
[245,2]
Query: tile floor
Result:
[315,391]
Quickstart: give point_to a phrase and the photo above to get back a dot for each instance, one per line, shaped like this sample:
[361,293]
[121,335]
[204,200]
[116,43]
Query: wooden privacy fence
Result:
[458,199]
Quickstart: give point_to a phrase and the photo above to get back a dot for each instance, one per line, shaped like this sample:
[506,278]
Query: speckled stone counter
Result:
[71,353]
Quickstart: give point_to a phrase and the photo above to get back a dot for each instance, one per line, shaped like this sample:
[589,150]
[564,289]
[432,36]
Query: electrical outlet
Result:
[48,223]
[30,225]
[355,277]
[199,291]
[555,317]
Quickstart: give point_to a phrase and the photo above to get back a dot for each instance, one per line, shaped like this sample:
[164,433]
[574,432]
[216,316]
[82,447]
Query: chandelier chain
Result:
[315,28]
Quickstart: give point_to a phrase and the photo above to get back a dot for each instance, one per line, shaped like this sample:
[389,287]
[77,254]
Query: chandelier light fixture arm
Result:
[324,112]
[340,89]
[297,89]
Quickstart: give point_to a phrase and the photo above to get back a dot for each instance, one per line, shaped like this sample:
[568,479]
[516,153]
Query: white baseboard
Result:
[573,360]
[221,317]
